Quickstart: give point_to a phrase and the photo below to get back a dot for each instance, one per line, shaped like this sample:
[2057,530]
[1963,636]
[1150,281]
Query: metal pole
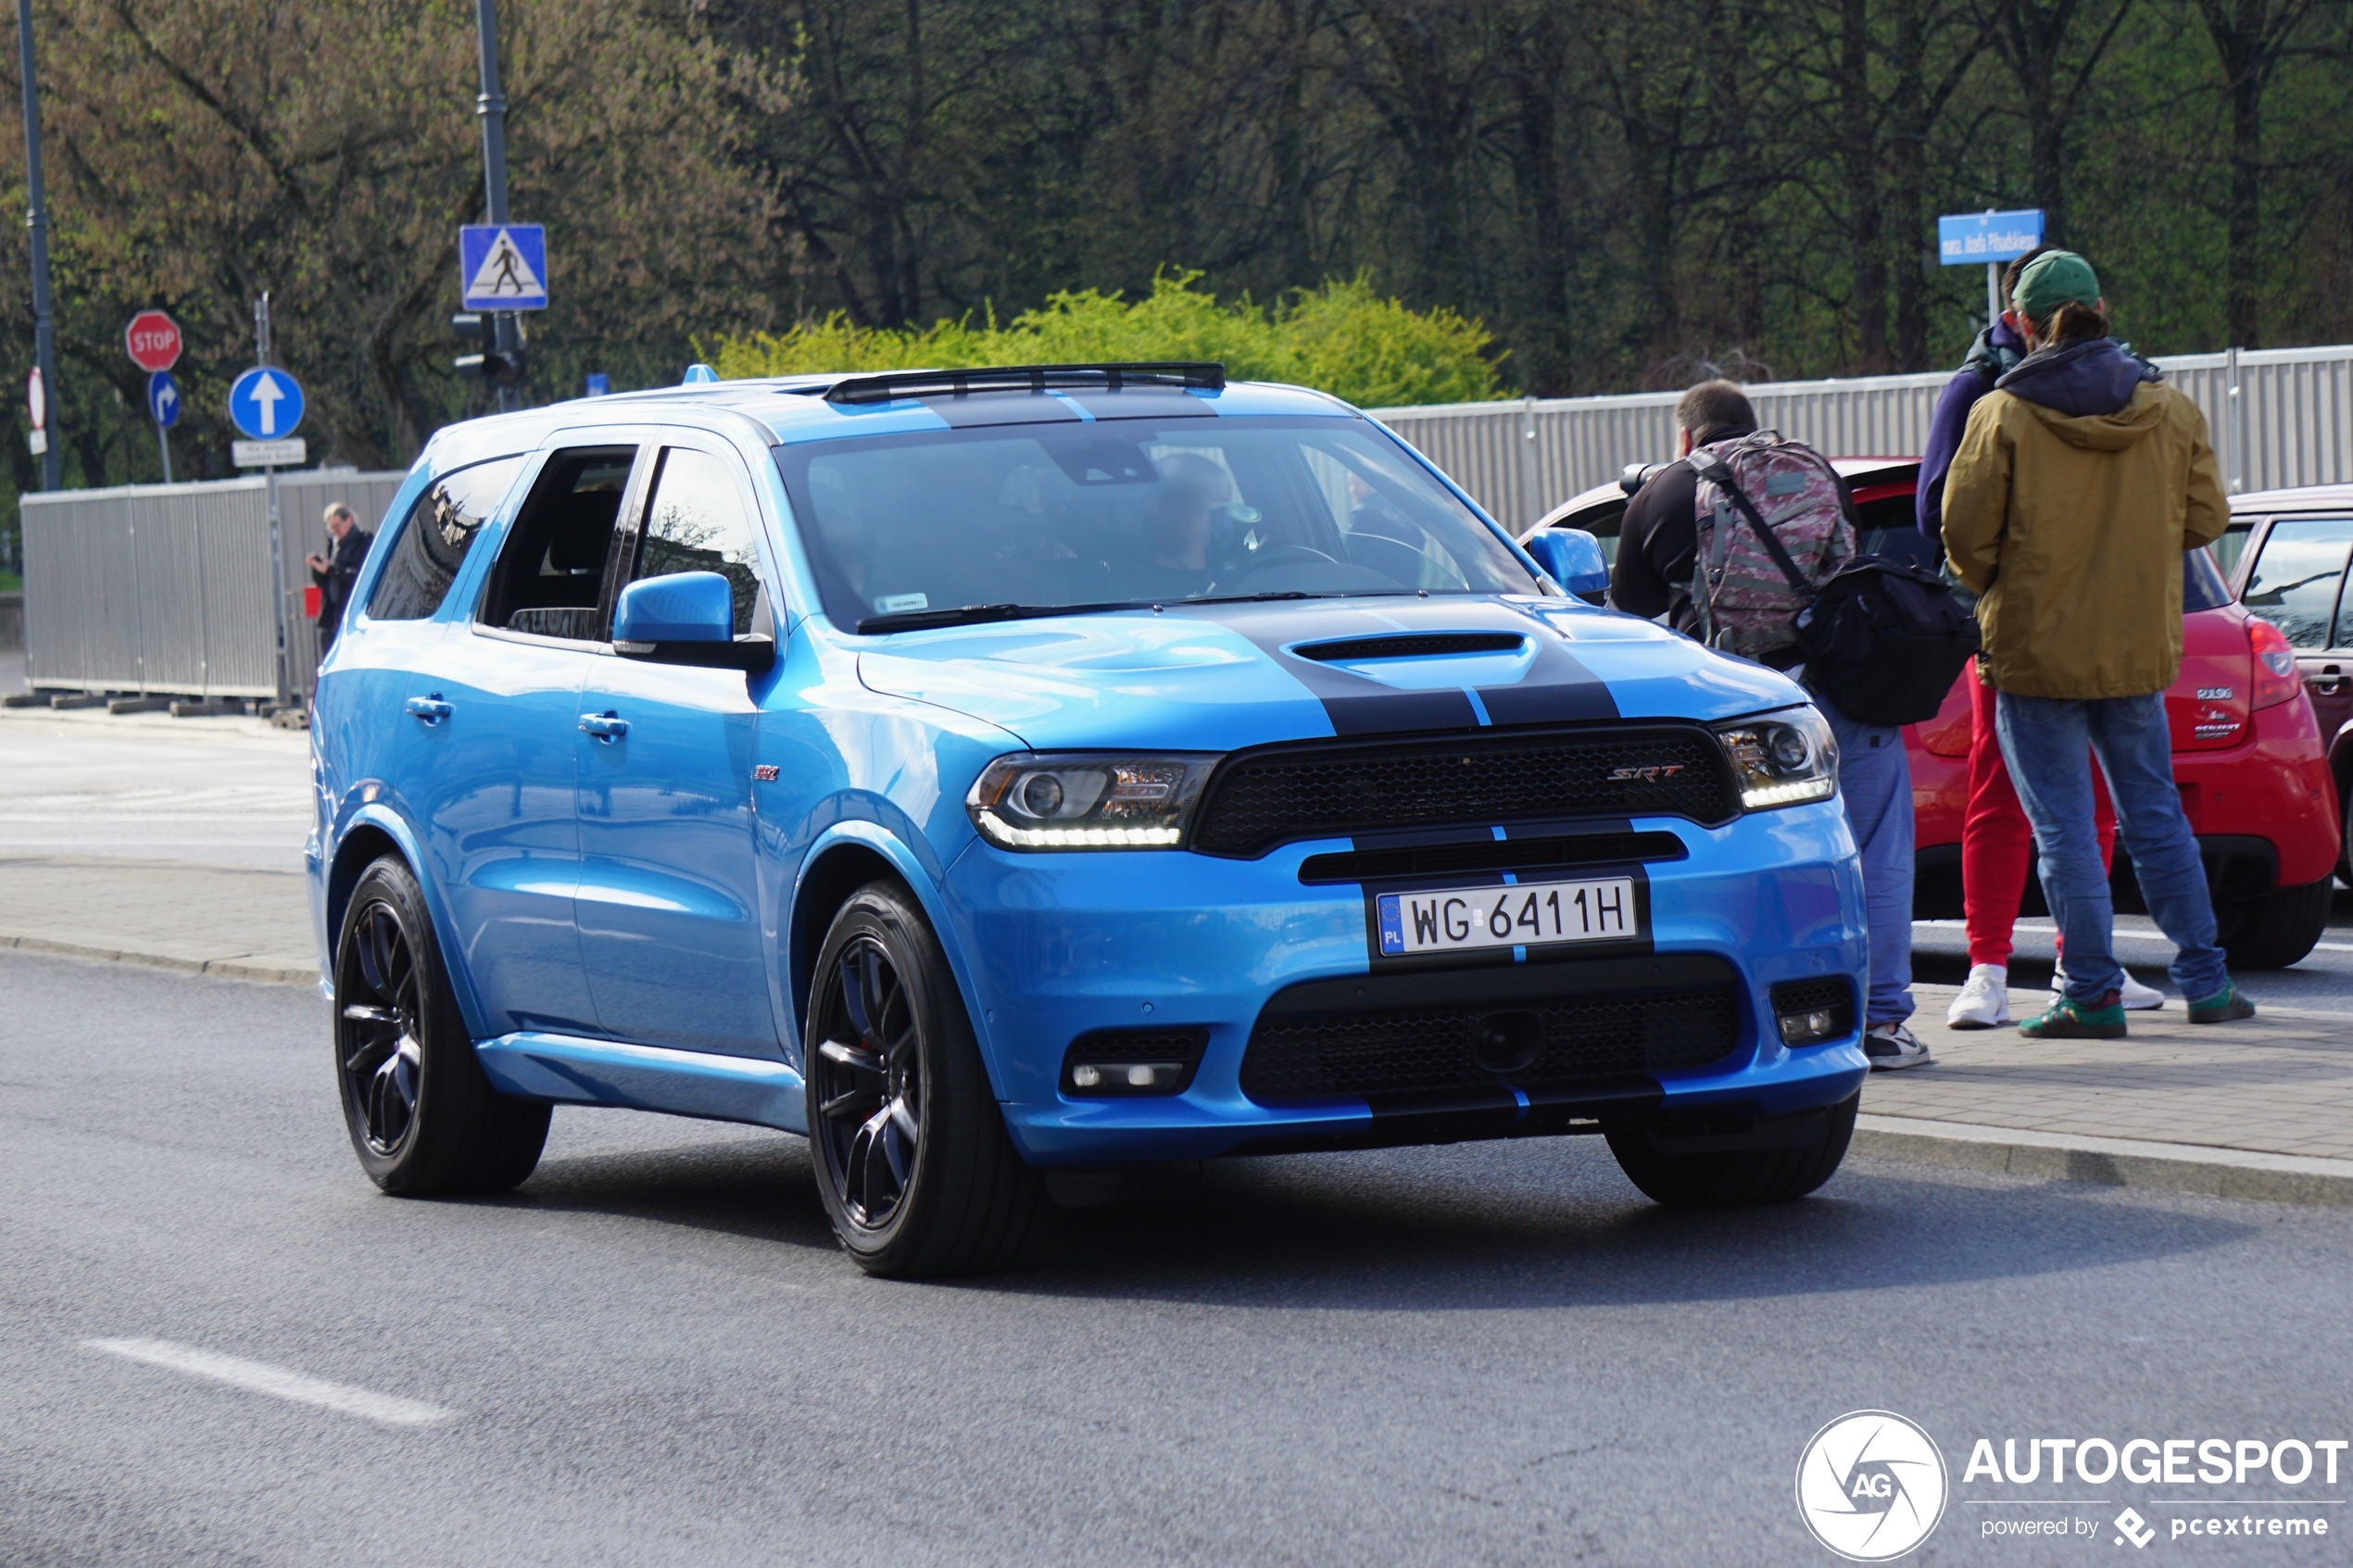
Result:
[270,482]
[45,330]
[1993,294]
[492,108]
[163,444]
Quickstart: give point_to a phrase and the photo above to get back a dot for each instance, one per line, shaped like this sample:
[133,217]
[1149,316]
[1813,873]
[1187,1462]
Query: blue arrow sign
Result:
[503,266]
[1966,239]
[266,403]
[163,399]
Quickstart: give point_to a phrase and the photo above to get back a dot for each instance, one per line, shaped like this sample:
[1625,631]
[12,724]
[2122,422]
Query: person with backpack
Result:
[2081,481]
[1995,837]
[1688,550]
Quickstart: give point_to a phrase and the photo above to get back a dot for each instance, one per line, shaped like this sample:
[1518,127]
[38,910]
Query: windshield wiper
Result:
[1292,594]
[973,615]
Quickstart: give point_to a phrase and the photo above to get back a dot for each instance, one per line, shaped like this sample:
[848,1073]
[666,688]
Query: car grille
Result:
[1584,1021]
[1333,790]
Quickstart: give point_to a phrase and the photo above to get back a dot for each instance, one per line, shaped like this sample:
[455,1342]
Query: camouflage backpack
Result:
[1772,532]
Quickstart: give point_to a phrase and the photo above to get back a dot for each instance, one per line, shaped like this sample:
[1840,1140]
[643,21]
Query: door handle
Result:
[432,710]
[604,726]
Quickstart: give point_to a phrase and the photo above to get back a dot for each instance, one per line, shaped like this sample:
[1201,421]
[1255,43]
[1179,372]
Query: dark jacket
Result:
[1659,544]
[1996,352]
[343,562]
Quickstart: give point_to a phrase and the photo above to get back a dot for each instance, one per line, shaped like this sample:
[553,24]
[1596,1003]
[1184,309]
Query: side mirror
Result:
[1575,559]
[685,618]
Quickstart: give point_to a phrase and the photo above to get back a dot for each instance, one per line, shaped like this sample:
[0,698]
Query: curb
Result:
[2129,1162]
[224,968]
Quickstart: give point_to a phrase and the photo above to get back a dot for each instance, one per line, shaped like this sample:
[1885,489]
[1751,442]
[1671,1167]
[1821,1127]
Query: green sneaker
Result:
[2225,1006]
[2066,1020]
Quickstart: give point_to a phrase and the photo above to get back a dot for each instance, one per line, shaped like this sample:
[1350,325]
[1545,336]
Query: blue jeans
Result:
[1875,784]
[2042,740]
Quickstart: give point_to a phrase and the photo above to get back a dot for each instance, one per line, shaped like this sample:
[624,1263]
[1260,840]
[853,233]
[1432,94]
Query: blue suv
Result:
[990,772]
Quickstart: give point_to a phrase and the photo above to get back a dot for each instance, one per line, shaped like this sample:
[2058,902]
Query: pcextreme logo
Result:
[1870,1486]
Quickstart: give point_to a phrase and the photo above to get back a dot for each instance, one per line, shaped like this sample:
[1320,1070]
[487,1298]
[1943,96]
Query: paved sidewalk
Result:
[2259,1110]
[233,921]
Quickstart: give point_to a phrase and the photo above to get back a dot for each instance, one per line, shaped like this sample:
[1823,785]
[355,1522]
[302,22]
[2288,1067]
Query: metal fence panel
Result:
[2289,421]
[169,588]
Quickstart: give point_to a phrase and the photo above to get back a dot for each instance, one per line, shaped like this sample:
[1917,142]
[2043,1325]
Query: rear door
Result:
[669,906]
[2297,583]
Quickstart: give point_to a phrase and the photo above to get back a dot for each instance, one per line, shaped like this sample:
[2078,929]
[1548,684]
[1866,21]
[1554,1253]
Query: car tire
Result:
[421,1113]
[1736,1179]
[914,1163]
[2278,929]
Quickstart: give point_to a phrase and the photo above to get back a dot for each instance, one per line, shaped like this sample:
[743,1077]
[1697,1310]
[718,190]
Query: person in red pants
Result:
[1997,841]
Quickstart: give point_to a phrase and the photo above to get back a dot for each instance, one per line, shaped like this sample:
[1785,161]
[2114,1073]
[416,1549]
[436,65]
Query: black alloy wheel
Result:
[914,1163]
[424,1117]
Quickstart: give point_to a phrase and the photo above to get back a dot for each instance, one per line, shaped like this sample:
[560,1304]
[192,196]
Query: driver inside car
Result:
[1178,523]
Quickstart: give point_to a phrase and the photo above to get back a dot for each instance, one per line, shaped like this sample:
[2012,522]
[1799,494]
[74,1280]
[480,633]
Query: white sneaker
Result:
[2135,997]
[1984,1001]
[1891,1046]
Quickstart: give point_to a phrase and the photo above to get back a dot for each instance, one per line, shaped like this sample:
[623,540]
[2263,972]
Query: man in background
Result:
[334,572]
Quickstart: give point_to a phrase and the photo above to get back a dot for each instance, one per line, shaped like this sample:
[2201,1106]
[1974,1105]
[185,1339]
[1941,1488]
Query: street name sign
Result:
[503,266]
[163,399]
[266,403]
[1972,239]
[153,339]
[269,454]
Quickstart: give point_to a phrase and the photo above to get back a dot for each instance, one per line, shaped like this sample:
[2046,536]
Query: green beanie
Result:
[2051,280]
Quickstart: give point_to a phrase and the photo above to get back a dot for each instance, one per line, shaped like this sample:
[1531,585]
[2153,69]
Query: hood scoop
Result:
[1410,645]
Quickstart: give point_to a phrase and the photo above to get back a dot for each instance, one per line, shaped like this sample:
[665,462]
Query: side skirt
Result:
[568,1070]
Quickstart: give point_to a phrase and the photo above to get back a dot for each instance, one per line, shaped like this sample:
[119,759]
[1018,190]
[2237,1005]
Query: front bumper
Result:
[1057,946]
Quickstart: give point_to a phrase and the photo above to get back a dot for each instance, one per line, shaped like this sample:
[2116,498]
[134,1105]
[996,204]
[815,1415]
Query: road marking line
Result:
[262,1378]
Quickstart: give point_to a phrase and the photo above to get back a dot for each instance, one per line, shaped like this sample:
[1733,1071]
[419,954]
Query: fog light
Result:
[1810,1011]
[1806,1028]
[1129,1062]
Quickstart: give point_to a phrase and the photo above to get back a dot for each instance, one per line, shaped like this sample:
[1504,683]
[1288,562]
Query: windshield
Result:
[1130,512]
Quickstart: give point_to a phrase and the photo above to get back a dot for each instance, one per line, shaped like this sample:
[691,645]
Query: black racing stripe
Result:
[1355,704]
[1558,689]
[984,409]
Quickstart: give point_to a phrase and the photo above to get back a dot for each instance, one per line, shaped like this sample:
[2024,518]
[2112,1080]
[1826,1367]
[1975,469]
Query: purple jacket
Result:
[1994,354]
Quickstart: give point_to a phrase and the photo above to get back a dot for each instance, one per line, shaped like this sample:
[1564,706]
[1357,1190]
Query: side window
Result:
[2227,549]
[550,578]
[433,540]
[695,522]
[2297,575]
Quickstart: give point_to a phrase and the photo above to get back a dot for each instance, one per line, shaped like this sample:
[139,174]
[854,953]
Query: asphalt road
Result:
[652,1353]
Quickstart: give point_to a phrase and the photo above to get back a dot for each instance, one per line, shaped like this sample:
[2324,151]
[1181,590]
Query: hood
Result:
[1222,677]
[2098,377]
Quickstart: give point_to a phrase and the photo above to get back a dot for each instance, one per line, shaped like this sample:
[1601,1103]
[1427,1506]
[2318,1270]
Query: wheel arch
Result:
[844,859]
[371,833]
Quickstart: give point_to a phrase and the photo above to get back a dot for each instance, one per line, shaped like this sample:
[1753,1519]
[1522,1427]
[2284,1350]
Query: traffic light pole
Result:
[492,108]
[45,330]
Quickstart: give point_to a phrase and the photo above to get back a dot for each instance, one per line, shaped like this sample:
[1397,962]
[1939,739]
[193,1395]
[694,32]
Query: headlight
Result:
[1033,800]
[1785,759]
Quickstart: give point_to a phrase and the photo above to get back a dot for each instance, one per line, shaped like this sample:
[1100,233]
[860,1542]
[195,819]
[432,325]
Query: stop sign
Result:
[154,341]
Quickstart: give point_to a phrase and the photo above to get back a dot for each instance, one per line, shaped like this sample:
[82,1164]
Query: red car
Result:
[2260,787]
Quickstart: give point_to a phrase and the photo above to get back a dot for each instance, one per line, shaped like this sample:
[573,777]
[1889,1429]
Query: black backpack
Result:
[1884,639]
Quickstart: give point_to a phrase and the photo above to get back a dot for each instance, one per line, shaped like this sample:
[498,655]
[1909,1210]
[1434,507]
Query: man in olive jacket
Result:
[2079,482]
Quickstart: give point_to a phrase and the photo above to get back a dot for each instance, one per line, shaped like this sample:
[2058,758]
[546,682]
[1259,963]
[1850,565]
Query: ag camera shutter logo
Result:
[1872,1486]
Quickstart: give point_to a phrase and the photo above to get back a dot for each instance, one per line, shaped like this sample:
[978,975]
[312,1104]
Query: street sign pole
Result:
[492,108]
[1993,291]
[163,446]
[269,482]
[45,330]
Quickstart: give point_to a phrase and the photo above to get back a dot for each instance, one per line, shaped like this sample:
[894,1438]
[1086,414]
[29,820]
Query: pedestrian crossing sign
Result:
[503,266]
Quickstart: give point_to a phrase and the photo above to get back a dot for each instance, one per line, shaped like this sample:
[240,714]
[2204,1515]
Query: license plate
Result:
[1465,918]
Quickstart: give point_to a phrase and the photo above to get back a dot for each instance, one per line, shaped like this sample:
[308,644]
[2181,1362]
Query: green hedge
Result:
[1342,338]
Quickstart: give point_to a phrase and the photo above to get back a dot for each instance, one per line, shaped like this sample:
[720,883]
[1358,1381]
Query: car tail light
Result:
[2275,675]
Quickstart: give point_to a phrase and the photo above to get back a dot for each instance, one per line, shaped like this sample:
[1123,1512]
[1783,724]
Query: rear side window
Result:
[2298,571]
[2202,583]
[696,521]
[550,579]
[435,538]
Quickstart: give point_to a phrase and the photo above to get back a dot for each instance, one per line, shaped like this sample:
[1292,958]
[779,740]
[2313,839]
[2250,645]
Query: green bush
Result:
[1341,338]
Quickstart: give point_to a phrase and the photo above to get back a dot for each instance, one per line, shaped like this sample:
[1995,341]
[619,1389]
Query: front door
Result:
[487,765]
[2297,583]
[668,900]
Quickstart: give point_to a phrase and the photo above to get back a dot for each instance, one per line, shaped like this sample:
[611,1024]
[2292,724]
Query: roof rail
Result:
[895,385]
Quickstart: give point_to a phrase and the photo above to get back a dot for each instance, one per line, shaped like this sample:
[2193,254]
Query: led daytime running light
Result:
[1762,796]
[1003,832]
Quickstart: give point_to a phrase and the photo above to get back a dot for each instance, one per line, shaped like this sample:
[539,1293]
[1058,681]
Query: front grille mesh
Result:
[1263,798]
[1429,1051]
